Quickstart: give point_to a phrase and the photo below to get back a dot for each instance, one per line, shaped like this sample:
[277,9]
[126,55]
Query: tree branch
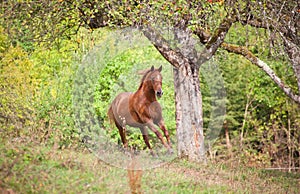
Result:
[281,16]
[214,41]
[241,50]
[293,52]
[174,57]
[202,34]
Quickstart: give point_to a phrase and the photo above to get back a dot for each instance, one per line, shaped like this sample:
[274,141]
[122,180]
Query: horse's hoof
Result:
[170,151]
[154,155]
[136,152]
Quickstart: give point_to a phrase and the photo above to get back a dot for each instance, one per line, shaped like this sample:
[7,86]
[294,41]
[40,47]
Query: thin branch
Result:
[241,50]
[279,22]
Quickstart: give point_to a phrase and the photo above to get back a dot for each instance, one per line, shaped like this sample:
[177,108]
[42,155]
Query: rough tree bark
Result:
[189,117]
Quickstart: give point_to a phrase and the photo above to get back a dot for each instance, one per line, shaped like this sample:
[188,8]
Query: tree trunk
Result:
[189,117]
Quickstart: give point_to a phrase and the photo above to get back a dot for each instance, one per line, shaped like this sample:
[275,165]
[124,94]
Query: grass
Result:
[34,168]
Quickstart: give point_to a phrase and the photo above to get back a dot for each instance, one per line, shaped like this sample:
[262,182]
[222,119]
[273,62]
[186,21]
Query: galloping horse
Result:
[141,109]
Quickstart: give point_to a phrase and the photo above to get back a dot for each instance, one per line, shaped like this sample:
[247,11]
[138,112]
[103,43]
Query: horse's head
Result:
[156,80]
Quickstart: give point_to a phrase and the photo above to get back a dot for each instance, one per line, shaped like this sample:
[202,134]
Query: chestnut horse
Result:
[141,109]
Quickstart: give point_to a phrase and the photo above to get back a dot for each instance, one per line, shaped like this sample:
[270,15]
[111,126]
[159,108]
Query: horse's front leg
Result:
[162,126]
[159,136]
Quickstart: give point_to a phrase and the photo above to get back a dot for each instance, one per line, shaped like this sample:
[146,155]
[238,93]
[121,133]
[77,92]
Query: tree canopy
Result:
[46,21]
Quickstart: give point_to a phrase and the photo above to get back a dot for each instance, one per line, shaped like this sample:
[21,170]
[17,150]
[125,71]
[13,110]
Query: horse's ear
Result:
[160,68]
[152,68]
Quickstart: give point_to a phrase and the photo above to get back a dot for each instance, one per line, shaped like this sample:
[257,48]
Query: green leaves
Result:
[17,90]
[41,22]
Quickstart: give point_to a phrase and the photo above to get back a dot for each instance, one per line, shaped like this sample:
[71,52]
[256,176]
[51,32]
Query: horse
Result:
[141,110]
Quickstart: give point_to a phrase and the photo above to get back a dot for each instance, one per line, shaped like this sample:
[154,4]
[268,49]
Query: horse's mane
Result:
[145,72]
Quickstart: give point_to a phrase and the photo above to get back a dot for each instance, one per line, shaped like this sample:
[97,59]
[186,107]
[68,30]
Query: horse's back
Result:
[121,99]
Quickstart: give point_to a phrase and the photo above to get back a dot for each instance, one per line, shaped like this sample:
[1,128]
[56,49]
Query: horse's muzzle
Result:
[159,93]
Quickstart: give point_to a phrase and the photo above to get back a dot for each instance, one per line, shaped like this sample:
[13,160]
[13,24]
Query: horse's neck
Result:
[147,92]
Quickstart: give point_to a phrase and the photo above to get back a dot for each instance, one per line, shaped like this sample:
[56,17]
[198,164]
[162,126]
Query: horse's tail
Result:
[110,115]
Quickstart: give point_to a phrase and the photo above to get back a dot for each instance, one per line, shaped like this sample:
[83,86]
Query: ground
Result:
[35,168]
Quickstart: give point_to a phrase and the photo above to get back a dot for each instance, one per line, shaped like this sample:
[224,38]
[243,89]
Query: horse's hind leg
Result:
[144,131]
[122,132]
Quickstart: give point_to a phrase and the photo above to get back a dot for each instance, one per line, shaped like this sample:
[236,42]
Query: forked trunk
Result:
[189,117]
[188,100]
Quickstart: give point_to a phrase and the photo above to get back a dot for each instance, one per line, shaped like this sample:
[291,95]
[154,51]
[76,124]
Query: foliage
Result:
[263,123]
[36,94]
[54,107]
[18,88]
[45,22]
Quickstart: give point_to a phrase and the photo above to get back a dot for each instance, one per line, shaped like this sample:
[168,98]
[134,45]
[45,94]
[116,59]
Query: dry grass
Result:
[32,168]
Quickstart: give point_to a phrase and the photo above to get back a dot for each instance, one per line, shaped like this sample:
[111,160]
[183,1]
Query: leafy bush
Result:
[36,93]
[18,88]
[54,107]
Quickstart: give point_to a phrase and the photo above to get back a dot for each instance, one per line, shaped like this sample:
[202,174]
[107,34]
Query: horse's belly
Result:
[132,120]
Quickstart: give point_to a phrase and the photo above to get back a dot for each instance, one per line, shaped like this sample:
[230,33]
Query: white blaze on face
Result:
[158,77]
